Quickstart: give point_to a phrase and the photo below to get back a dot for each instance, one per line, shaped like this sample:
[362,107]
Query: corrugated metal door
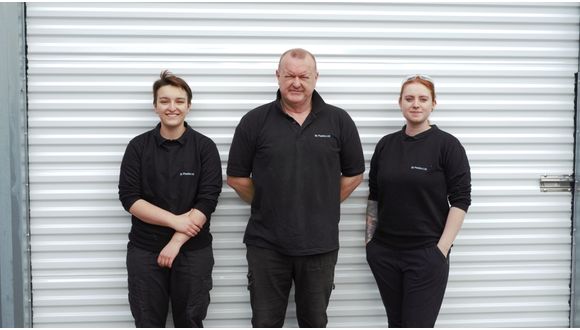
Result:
[505,77]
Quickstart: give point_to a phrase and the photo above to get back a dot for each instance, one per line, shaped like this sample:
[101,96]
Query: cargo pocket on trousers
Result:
[199,300]
[137,300]
[250,281]
[250,286]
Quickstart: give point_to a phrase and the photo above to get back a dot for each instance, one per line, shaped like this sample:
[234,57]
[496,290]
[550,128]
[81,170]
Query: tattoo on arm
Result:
[372,210]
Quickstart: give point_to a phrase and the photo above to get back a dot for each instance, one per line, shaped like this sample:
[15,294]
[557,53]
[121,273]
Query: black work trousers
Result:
[270,276]
[187,284]
[411,283]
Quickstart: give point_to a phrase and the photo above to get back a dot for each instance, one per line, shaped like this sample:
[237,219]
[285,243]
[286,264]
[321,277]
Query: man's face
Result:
[297,79]
[171,106]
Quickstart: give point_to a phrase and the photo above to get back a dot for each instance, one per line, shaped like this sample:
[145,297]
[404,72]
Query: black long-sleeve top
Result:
[175,175]
[415,180]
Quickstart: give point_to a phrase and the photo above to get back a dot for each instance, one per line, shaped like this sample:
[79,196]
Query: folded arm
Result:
[170,251]
[244,187]
[348,184]
[155,215]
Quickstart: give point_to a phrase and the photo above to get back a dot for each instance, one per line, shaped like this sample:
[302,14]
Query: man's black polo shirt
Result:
[296,172]
[175,175]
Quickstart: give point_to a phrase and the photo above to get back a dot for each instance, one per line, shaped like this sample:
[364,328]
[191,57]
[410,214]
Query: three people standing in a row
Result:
[294,160]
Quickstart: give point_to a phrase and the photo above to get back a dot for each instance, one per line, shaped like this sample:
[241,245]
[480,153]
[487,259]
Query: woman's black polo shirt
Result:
[296,172]
[175,175]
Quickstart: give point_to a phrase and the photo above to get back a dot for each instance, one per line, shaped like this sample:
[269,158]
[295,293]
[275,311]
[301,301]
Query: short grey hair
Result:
[297,53]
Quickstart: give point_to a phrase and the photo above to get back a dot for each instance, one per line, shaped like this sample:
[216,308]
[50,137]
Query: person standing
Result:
[419,193]
[169,181]
[294,160]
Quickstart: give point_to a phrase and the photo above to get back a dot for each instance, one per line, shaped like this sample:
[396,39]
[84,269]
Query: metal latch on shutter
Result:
[556,183]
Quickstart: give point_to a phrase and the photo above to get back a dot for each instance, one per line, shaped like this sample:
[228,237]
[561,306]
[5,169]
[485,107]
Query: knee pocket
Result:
[199,299]
[250,277]
[139,302]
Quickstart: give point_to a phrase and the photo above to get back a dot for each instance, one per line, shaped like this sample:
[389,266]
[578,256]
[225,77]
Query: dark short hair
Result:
[168,78]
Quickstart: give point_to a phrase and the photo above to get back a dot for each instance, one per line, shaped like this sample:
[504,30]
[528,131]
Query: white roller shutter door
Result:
[505,79]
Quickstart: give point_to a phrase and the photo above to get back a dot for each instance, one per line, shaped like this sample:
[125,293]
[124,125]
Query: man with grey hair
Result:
[294,160]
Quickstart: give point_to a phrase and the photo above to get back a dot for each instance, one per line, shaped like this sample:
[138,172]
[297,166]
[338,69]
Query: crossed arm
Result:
[186,225]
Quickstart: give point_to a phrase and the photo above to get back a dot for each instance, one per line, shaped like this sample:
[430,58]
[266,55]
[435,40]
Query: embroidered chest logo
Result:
[186,174]
[419,168]
[326,136]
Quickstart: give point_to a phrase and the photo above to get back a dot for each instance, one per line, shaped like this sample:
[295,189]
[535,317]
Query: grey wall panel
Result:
[15,293]
[505,83]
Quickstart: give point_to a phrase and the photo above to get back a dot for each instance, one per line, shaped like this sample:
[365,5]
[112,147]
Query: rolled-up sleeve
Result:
[373,184]
[210,185]
[130,189]
[458,177]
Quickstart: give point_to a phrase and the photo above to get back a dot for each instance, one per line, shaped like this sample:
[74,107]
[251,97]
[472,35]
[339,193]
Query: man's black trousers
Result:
[186,284]
[270,276]
[411,283]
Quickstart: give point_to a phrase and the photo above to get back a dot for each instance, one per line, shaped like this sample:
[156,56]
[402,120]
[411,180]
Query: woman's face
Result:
[416,104]
[171,106]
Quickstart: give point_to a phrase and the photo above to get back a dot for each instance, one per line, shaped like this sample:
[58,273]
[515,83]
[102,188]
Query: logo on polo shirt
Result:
[186,174]
[326,136]
[419,168]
